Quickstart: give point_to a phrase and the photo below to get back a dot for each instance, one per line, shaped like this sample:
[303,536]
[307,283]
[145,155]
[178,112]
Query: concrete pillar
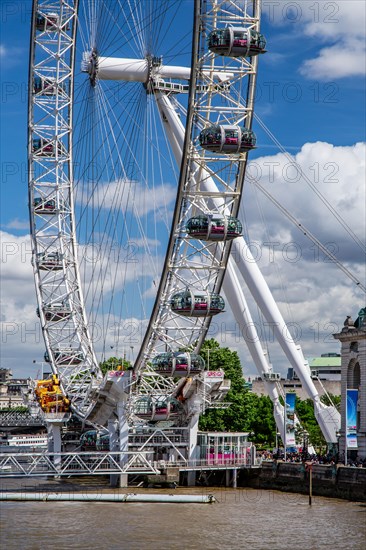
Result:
[227,478]
[235,478]
[54,440]
[118,427]
[113,446]
[191,478]
[123,440]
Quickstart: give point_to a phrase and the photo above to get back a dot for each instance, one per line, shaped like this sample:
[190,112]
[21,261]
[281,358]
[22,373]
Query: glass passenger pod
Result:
[50,261]
[236,42]
[88,440]
[50,22]
[156,409]
[57,311]
[197,305]
[214,228]
[179,364]
[46,148]
[93,441]
[66,357]
[44,206]
[227,139]
[46,86]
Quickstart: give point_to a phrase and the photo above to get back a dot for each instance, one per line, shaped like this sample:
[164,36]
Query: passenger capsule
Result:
[88,440]
[178,364]
[57,311]
[214,228]
[197,305]
[46,147]
[44,206]
[50,22]
[50,261]
[66,357]
[236,42]
[227,139]
[46,86]
[156,409]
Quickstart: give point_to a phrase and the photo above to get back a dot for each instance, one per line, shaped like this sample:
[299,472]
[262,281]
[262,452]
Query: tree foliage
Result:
[249,412]
[331,399]
[305,412]
[114,363]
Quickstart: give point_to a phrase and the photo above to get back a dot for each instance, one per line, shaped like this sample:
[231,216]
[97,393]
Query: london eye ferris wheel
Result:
[140,125]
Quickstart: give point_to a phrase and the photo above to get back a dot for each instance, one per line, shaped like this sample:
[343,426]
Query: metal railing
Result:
[69,464]
[103,463]
[20,419]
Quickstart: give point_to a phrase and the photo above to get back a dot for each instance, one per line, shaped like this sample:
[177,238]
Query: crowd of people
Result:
[304,456]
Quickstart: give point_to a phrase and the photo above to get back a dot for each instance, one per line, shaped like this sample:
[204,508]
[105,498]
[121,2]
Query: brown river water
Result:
[240,519]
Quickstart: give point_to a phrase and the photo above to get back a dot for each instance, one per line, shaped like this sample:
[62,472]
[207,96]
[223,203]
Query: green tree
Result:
[331,399]
[305,413]
[240,414]
[114,363]
[261,422]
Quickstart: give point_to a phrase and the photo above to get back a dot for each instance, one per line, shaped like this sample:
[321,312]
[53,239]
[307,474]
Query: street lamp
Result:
[278,435]
[35,362]
[305,445]
[338,436]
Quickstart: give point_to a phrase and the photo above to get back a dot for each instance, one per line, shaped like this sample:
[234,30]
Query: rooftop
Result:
[325,362]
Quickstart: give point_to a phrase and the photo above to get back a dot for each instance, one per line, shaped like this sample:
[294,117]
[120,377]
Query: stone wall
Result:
[331,386]
[327,480]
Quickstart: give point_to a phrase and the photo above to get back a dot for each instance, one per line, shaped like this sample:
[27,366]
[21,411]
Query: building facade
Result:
[353,366]
[326,367]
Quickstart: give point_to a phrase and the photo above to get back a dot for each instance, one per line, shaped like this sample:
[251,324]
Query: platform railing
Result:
[81,463]
[31,464]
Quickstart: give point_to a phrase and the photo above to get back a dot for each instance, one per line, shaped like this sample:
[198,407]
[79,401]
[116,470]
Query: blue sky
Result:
[311,95]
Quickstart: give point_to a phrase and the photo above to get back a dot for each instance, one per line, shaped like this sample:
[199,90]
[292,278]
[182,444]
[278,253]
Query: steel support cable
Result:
[139,220]
[102,131]
[331,209]
[278,270]
[117,200]
[308,234]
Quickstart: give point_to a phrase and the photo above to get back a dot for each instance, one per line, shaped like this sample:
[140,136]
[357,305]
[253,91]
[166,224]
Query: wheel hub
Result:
[90,65]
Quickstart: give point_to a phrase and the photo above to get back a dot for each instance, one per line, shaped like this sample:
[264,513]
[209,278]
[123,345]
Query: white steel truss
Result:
[216,97]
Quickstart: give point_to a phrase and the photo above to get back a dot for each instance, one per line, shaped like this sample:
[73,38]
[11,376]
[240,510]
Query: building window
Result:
[354,346]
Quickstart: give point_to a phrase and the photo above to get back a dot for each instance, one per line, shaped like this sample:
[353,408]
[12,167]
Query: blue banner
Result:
[290,418]
[351,419]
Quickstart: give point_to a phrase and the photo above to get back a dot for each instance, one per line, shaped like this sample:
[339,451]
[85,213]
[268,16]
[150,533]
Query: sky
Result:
[311,100]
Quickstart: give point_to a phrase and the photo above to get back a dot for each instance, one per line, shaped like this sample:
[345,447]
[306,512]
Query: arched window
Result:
[353,346]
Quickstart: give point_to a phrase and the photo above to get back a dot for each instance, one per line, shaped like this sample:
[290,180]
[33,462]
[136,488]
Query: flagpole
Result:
[285,428]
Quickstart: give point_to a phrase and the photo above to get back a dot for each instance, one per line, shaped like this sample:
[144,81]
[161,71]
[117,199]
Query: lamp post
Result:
[208,358]
[338,436]
[252,456]
[305,445]
[131,347]
[35,362]
[277,437]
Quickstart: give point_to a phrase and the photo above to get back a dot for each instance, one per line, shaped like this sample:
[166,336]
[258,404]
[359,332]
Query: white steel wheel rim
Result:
[91,248]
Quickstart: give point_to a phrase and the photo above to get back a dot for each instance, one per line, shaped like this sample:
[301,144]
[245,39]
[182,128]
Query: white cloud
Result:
[21,339]
[337,173]
[2,51]
[337,27]
[345,30]
[129,195]
[310,291]
[339,61]
[17,224]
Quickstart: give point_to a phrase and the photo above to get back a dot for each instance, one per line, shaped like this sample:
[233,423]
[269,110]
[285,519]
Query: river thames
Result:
[241,518]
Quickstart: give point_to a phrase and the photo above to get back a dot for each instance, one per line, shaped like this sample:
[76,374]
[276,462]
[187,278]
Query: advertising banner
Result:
[351,419]
[290,418]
